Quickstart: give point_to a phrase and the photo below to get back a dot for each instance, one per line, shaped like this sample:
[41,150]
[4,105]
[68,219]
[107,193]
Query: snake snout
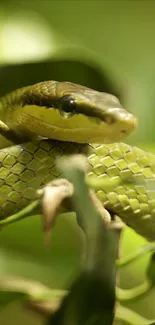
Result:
[128,124]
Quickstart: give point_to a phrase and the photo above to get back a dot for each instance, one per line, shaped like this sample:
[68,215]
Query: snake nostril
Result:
[123,131]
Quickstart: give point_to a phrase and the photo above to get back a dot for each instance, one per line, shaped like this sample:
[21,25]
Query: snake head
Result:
[68,112]
[93,116]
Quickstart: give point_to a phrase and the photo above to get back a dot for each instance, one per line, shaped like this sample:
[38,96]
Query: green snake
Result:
[74,118]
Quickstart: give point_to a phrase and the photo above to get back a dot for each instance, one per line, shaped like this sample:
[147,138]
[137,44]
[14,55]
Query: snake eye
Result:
[67,104]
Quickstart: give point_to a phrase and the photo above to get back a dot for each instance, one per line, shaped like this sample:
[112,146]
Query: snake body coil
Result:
[26,167]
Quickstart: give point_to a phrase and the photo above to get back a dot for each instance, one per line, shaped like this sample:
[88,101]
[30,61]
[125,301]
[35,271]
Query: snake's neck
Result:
[9,103]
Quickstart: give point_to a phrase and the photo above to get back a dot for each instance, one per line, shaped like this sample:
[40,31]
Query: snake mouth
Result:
[38,121]
[78,128]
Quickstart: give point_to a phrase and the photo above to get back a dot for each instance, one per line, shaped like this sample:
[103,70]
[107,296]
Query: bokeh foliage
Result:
[118,37]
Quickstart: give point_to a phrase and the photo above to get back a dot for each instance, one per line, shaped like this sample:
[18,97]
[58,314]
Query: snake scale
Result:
[73,116]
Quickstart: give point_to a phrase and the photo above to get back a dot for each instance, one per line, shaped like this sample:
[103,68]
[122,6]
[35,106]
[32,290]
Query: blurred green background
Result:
[110,45]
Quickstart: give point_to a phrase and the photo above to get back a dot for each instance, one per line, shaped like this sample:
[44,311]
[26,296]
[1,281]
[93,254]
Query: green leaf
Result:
[91,300]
